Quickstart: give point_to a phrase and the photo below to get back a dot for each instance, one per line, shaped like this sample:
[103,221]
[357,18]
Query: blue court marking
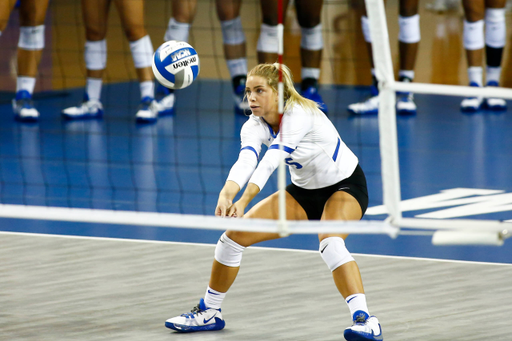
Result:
[116,164]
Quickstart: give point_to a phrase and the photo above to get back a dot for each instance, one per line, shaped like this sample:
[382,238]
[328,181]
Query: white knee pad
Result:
[365,24]
[473,35]
[409,31]
[232,32]
[311,38]
[142,52]
[96,54]
[228,252]
[334,252]
[31,38]
[495,27]
[267,41]
[177,31]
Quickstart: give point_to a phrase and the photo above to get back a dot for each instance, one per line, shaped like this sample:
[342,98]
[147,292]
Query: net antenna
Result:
[456,231]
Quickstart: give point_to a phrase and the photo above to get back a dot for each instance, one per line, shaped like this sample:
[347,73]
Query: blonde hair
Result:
[291,97]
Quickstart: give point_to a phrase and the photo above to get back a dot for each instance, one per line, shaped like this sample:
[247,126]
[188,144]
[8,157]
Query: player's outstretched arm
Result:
[226,196]
[238,208]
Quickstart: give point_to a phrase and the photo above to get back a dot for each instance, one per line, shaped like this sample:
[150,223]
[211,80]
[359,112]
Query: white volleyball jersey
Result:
[313,150]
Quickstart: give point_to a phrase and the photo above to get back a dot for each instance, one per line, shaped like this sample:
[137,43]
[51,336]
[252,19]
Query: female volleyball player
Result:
[30,50]
[492,14]
[327,184]
[95,13]
[409,37]
[233,37]
[311,42]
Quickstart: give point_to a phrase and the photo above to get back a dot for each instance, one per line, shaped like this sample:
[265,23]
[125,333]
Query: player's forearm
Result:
[229,191]
[250,192]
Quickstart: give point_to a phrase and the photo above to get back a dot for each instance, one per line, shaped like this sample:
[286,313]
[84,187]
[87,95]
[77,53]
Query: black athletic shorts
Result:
[313,200]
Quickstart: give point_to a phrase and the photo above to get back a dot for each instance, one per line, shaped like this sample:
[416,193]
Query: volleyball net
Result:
[170,174]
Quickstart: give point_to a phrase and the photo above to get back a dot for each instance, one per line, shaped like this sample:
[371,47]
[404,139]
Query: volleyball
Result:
[175,64]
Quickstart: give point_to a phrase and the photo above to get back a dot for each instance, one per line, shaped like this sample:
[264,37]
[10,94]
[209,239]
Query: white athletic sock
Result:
[406,73]
[147,89]
[237,67]
[93,88]
[310,72]
[475,74]
[357,302]
[213,298]
[493,74]
[26,83]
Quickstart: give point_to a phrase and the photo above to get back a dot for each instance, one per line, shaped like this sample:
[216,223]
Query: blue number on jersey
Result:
[289,162]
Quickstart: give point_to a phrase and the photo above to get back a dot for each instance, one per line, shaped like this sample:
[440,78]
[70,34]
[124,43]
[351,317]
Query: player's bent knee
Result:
[267,41]
[409,31]
[228,252]
[96,54]
[495,31]
[142,52]
[334,252]
[473,35]
[177,30]
[232,32]
[31,38]
[311,38]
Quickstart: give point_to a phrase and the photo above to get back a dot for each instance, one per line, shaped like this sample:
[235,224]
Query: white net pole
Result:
[281,172]
[387,117]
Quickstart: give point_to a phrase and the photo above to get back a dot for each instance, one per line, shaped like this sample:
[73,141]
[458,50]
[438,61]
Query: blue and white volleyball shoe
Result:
[23,107]
[472,104]
[365,328]
[369,106]
[405,104]
[148,110]
[241,105]
[199,319]
[405,100]
[89,108]
[240,102]
[495,104]
[165,100]
[311,93]
[166,105]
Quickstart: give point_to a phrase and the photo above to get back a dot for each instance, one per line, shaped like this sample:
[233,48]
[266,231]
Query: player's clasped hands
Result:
[226,208]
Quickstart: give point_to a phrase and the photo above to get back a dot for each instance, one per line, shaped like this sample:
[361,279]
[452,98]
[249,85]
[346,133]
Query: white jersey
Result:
[313,150]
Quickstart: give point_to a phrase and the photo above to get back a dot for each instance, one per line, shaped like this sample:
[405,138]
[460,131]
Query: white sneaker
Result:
[199,319]
[495,104]
[472,104]
[148,110]
[23,108]
[88,109]
[166,105]
[368,107]
[405,104]
[364,328]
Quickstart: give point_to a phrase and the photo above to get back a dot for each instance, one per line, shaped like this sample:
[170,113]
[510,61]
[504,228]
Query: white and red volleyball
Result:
[175,64]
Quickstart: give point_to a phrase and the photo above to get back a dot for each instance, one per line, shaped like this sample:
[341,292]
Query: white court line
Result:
[252,247]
